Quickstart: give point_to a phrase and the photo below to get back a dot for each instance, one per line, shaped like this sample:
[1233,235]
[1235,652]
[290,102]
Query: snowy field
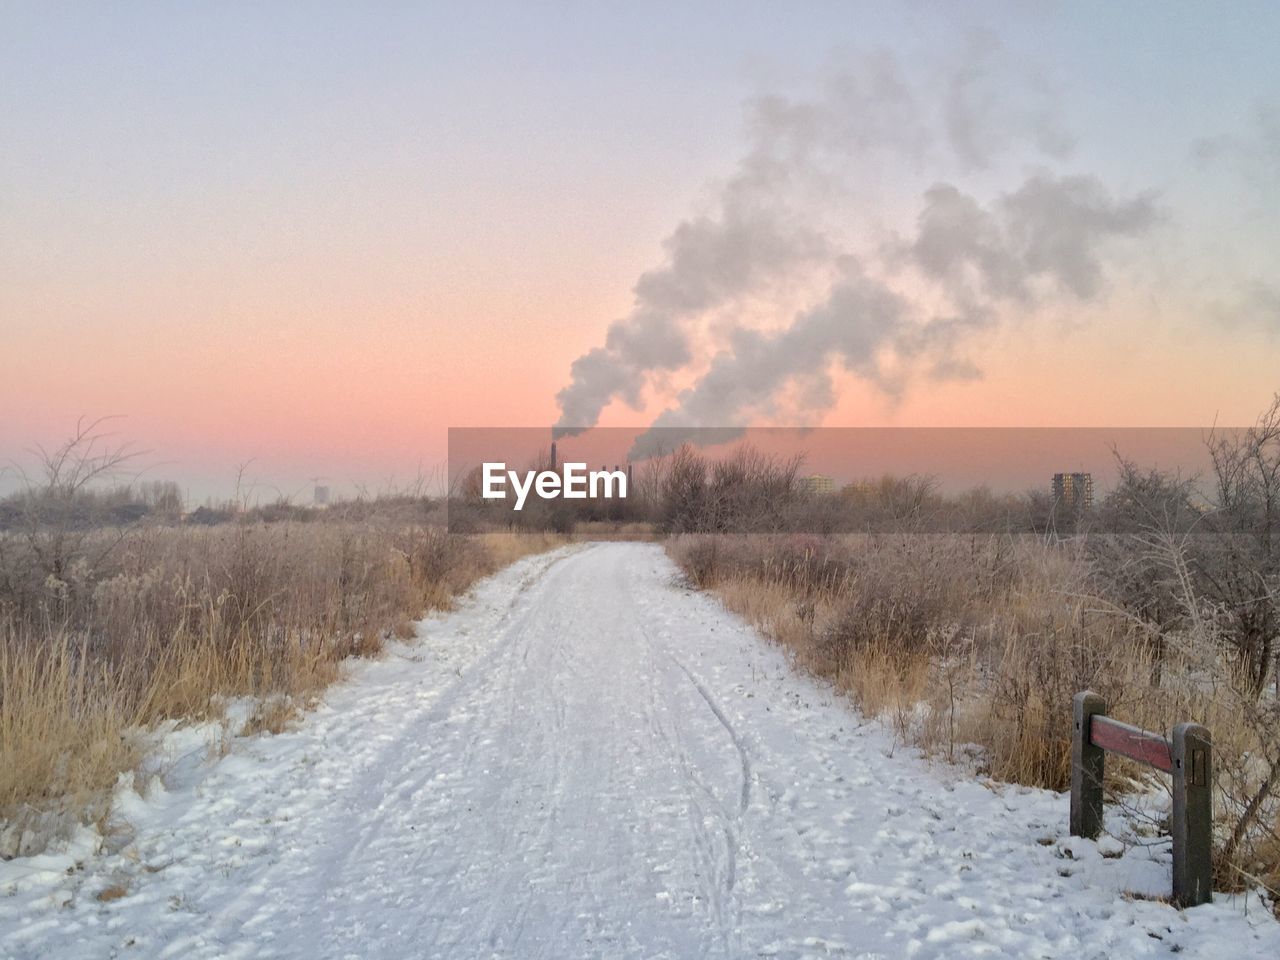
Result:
[586,760]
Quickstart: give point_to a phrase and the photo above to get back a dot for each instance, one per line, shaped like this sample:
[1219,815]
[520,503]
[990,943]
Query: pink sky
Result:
[318,242]
[363,388]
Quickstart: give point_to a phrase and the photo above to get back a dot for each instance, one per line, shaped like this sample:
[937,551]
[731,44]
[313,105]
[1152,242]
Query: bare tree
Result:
[56,509]
[1240,566]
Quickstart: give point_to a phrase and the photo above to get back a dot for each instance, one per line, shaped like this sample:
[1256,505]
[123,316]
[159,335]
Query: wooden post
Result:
[1192,825]
[1086,767]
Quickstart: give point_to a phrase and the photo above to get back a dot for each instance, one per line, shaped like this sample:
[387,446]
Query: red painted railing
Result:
[1132,742]
[1188,757]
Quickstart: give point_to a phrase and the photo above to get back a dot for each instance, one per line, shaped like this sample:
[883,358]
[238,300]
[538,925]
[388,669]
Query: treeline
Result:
[751,491]
[161,502]
[84,508]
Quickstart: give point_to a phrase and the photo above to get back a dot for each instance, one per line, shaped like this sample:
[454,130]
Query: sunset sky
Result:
[316,236]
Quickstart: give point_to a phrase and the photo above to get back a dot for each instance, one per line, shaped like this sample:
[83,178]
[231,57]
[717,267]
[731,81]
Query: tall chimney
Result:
[553,456]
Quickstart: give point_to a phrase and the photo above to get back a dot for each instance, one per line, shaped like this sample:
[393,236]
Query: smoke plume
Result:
[756,233]
[886,311]
[1044,239]
[710,261]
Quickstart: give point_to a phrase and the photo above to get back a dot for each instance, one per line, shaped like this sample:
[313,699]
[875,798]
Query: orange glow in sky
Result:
[318,243]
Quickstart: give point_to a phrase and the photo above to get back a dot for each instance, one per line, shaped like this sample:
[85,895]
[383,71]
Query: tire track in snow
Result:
[726,906]
[744,799]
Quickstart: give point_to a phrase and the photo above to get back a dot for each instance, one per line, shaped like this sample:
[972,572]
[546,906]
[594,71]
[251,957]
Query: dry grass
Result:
[114,892]
[63,723]
[878,678]
[178,622]
[975,645]
[980,639]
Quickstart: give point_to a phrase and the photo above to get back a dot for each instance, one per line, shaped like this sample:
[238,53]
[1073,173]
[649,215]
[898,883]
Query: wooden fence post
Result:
[1086,767]
[1192,826]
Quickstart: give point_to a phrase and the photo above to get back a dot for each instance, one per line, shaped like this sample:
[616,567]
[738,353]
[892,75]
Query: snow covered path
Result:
[586,760]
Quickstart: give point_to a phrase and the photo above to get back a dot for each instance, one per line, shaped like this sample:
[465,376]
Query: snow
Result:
[586,760]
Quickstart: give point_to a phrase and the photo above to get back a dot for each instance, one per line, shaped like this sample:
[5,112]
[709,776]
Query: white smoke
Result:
[710,261]
[756,235]
[1044,239]
[976,261]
